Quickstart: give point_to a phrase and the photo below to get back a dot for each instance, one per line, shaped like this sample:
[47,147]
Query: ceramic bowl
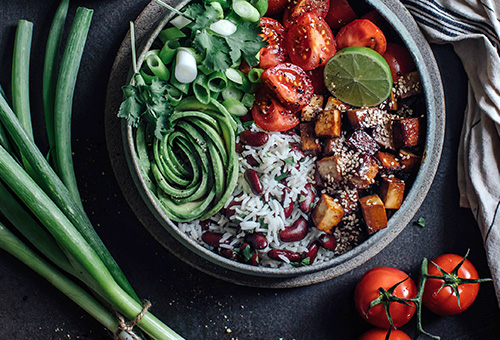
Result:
[150,24]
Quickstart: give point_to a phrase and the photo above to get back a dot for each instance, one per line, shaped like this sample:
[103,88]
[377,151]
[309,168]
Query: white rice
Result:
[265,213]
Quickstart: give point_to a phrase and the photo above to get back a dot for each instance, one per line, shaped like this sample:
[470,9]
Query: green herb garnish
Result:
[420,222]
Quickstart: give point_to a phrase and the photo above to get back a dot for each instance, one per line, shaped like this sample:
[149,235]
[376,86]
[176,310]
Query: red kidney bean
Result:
[296,232]
[239,147]
[252,161]
[255,259]
[250,255]
[257,240]
[289,208]
[296,148]
[275,254]
[246,118]
[306,199]
[253,180]
[229,254]
[211,238]
[205,224]
[328,241]
[230,212]
[312,252]
[253,138]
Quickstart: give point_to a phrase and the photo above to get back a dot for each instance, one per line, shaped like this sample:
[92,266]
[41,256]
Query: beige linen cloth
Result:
[473,28]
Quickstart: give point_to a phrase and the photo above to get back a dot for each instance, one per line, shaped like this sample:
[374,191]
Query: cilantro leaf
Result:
[282,176]
[203,16]
[131,110]
[304,262]
[247,252]
[246,42]
[214,49]
[147,103]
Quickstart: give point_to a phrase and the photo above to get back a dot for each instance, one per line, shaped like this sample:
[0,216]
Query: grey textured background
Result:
[194,304]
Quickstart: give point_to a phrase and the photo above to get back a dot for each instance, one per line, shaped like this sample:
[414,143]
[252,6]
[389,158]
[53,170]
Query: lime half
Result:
[358,76]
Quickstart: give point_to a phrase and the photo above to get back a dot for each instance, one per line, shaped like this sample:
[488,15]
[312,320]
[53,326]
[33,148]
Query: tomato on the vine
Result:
[310,42]
[361,32]
[269,114]
[274,34]
[381,334]
[443,300]
[367,290]
[291,85]
[339,14]
[399,60]
[316,7]
[276,6]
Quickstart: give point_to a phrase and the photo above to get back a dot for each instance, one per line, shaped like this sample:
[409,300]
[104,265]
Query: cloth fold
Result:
[473,28]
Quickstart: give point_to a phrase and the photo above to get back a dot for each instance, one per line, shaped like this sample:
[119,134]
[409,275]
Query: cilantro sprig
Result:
[147,103]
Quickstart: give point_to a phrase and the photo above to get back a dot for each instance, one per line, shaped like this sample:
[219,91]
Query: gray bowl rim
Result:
[403,23]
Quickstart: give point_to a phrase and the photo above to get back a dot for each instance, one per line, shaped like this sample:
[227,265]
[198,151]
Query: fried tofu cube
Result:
[387,160]
[328,124]
[392,191]
[408,160]
[366,117]
[310,143]
[311,111]
[409,85]
[327,214]
[363,142]
[331,146]
[382,132]
[365,174]
[333,103]
[406,132]
[356,118]
[329,169]
[374,213]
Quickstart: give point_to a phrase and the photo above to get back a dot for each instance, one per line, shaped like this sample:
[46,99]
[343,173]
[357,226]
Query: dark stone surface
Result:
[194,304]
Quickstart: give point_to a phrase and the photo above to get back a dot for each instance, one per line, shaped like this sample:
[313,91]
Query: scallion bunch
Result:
[40,199]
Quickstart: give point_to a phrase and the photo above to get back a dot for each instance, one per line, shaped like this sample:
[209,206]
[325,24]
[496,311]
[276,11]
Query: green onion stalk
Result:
[64,97]
[50,69]
[46,210]
[73,243]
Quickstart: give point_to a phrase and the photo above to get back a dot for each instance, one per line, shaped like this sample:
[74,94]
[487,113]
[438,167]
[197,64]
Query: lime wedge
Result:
[358,76]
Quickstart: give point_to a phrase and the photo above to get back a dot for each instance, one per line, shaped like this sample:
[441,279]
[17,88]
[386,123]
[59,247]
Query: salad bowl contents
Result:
[281,139]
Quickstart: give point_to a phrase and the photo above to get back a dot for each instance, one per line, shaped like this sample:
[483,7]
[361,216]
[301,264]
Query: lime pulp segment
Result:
[358,76]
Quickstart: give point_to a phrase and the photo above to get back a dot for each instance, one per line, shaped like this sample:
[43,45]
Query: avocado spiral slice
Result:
[193,170]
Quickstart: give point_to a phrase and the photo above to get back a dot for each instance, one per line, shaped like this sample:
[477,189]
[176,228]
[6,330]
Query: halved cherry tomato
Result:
[375,17]
[274,34]
[269,114]
[367,290]
[310,42]
[399,60]
[291,85]
[317,79]
[443,300]
[275,6]
[339,14]
[299,7]
[361,32]
[381,334]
